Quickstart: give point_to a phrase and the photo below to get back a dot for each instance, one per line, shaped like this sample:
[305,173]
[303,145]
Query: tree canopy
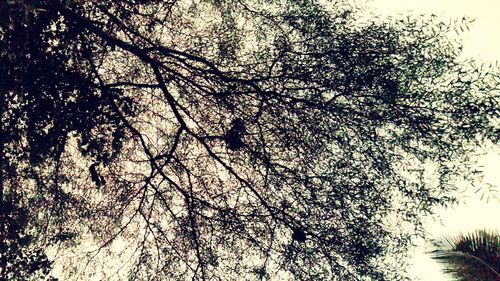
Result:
[214,139]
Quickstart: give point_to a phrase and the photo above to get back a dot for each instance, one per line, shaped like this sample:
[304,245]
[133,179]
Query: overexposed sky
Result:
[481,42]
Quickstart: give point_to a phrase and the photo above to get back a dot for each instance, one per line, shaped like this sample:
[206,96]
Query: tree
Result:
[473,256]
[234,139]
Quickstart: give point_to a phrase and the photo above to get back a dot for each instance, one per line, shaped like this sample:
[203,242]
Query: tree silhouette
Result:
[232,139]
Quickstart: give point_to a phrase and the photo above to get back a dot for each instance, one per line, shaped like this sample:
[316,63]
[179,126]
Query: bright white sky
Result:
[482,42]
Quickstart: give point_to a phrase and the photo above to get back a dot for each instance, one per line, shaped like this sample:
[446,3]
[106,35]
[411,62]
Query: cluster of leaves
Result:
[26,260]
[47,95]
[240,139]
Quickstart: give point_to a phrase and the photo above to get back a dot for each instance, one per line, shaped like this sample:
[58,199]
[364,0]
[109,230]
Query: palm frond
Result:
[471,256]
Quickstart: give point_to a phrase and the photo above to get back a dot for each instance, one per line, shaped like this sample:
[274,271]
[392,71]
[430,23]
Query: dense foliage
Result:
[230,139]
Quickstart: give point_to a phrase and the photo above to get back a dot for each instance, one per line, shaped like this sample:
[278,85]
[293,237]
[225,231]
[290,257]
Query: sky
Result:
[481,42]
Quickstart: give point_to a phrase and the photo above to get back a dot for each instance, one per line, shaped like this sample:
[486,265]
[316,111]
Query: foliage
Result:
[25,260]
[234,139]
[473,256]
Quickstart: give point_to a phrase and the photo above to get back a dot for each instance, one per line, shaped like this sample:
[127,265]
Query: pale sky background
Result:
[482,42]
